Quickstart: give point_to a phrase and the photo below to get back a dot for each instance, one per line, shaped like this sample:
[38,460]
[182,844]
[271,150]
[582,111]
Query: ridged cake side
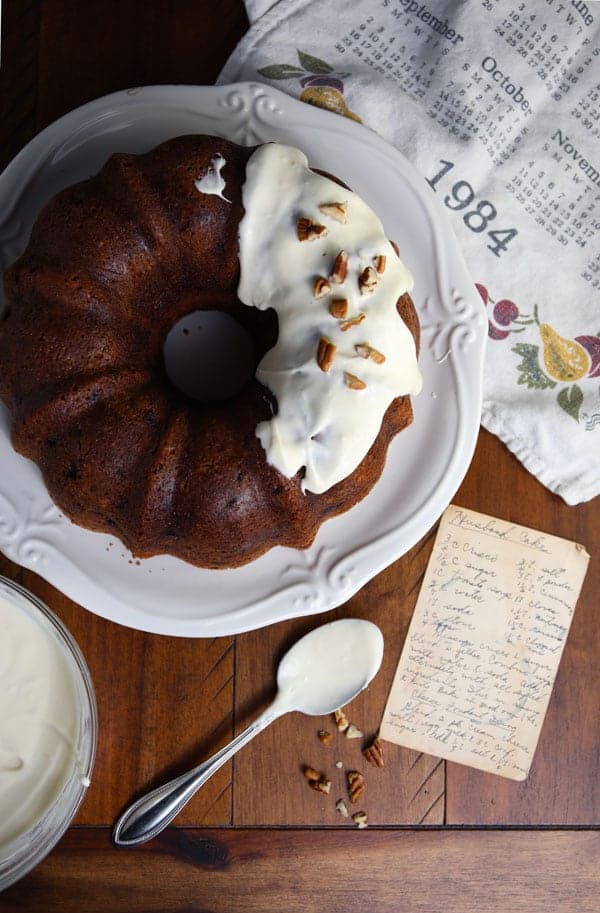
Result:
[111,265]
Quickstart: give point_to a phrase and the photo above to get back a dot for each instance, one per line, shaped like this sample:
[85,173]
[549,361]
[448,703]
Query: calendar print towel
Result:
[497,104]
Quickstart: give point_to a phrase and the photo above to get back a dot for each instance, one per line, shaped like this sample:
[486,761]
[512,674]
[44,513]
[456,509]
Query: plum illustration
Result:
[505,312]
[592,346]
[330,81]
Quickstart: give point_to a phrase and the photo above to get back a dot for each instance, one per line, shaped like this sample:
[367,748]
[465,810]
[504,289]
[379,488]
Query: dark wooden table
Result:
[255,838]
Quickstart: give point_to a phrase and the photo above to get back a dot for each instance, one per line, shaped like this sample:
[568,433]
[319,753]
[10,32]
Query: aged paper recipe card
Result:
[484,644]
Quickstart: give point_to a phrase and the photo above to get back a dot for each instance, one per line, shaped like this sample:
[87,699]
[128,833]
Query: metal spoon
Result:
[323,671]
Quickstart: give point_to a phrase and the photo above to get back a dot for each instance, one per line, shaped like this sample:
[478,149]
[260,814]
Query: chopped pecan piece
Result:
[356,785]
[367,281]
[307,230]
[353,732]
[340,720]
[325,353]
[374,753]
[380,263]
[342,808]
[360,819]
[340,267]
[352,322]
[339,764]
[367,351]
[324,736]
[311,774]
[317,780]
[355,383]
[321,287]
[322,785]
[338,308]
[335,211]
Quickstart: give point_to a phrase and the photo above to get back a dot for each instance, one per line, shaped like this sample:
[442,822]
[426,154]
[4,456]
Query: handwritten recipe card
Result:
[483,648]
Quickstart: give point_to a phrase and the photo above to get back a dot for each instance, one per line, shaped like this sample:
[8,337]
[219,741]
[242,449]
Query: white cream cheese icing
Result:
[39,721]
[321,424]
[330,663]
[213,181]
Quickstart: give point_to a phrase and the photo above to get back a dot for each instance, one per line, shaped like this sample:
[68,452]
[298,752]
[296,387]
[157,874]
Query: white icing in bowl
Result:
[47,730]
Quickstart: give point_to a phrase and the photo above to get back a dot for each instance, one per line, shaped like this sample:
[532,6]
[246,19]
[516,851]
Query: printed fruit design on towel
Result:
[329,98]
[505,315]
[565,359]
[323,88]
[592,346]
[560,361]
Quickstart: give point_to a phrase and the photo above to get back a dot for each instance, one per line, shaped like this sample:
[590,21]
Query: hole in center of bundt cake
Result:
[209,355]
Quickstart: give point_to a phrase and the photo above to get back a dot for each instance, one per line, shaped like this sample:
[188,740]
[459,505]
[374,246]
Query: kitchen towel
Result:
[497,104]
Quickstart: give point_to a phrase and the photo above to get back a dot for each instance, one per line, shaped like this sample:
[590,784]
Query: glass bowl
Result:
[21,854]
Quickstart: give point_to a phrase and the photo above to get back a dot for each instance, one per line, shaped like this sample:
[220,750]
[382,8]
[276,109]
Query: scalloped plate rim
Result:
[65,573]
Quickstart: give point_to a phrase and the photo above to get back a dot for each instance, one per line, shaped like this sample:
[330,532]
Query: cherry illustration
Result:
[505,312]
[483,292]
[495,333]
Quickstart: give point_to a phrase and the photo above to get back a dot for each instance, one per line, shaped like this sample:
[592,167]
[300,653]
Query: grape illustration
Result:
[505,312]
[495,333]
[483,292]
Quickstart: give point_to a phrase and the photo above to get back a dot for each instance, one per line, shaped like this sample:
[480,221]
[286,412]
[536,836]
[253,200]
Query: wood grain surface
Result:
[410,789]
[310,871]
[165,703]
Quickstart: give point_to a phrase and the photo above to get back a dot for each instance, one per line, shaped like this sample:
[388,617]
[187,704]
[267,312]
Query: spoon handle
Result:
[147,817]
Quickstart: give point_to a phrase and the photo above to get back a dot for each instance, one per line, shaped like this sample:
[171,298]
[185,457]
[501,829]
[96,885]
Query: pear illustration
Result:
[329,98]
[564,359]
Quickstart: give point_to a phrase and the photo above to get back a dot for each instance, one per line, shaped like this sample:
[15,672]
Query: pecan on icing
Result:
[325,353]
[366,351]
[352,322]
[355,383]
[340,267]
[337,211]
[367,281]
[307,230]
[380,263]
[338,307]
[321,287]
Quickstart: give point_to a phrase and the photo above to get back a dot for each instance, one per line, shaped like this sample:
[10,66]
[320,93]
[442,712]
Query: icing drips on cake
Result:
[332,390]
[213,182]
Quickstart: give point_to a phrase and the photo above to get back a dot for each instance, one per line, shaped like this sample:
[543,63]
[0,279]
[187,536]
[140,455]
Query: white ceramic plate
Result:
[425,464]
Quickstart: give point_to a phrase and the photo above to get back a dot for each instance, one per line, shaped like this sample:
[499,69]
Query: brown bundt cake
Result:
[111,265]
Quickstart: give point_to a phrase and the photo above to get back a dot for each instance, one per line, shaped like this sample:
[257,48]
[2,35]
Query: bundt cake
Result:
[200,223]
